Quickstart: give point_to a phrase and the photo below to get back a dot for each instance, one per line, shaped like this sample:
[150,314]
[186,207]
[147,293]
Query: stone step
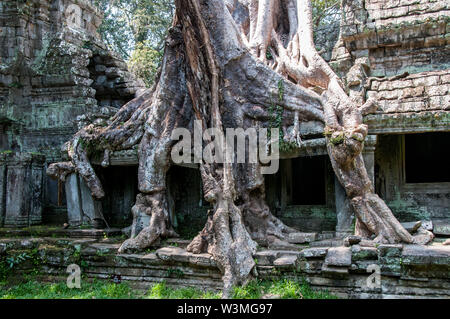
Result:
[334,242]
[301,238]
[441,227]
[52,232]
[286,261]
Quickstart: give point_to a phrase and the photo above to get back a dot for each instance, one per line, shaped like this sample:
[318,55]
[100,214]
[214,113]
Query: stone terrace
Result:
[407,271]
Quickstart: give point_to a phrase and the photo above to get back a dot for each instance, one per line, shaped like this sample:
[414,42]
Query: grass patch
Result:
[282,288]
[162,291]
[93,290]
[98,289]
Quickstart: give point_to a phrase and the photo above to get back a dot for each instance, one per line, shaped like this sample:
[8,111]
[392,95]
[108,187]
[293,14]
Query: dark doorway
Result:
[186,203]
[121,186]
[426,158]
[308,180]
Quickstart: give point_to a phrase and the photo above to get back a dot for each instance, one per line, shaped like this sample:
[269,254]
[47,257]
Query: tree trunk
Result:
[216,70]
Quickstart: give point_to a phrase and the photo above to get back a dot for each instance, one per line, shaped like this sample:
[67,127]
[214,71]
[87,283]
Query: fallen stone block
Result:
[301,238]
[441,227]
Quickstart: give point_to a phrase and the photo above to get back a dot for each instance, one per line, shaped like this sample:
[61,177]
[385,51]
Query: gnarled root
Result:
[60,170]
[264,228]
[226,238]
[155,206]
[374,217]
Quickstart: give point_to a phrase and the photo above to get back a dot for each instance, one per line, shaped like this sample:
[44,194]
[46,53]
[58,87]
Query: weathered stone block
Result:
[286,261]
[266,257]
[73,198]
[364,253]
[339,256]
[441,227]
[314,252]
[301,238]
[2,189]
[18,191]
[390,250]
[334,271]
[412,227]
[92,208]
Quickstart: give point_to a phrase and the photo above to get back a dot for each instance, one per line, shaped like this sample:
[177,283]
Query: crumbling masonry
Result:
[55,74]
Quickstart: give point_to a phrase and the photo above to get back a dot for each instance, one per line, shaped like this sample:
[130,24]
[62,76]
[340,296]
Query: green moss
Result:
[327,131]
[16,85]
[358,137]
[338,139]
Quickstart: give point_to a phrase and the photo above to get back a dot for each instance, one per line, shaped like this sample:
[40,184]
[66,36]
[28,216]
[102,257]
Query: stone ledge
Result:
[406,270]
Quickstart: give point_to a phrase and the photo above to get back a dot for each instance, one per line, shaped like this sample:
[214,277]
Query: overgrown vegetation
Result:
[92,290]
[283,288]
[97,289]
[9,263]
[276,120]
[136,29]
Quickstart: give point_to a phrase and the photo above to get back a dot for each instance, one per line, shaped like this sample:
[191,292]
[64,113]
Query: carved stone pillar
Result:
[82,208]
[2,188]
[91,208]
[344,211]
[73,198]
[369,156]
[18,190]
[37,179]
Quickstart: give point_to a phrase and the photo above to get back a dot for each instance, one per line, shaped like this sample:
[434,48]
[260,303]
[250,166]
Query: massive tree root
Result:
[217,70]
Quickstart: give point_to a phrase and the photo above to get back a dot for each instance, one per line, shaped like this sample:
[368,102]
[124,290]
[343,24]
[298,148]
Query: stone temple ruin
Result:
[56,76]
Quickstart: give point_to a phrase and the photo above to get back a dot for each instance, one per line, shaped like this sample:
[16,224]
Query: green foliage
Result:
[98,289]
[144,62]
[136,29]
[89,290]
[338,139]
[276,120]
[162,291]
[325,11]
[8,264]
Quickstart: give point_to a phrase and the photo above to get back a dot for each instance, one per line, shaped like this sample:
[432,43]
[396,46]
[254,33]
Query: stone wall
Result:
[408,271]
[398,52]
[55,69]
